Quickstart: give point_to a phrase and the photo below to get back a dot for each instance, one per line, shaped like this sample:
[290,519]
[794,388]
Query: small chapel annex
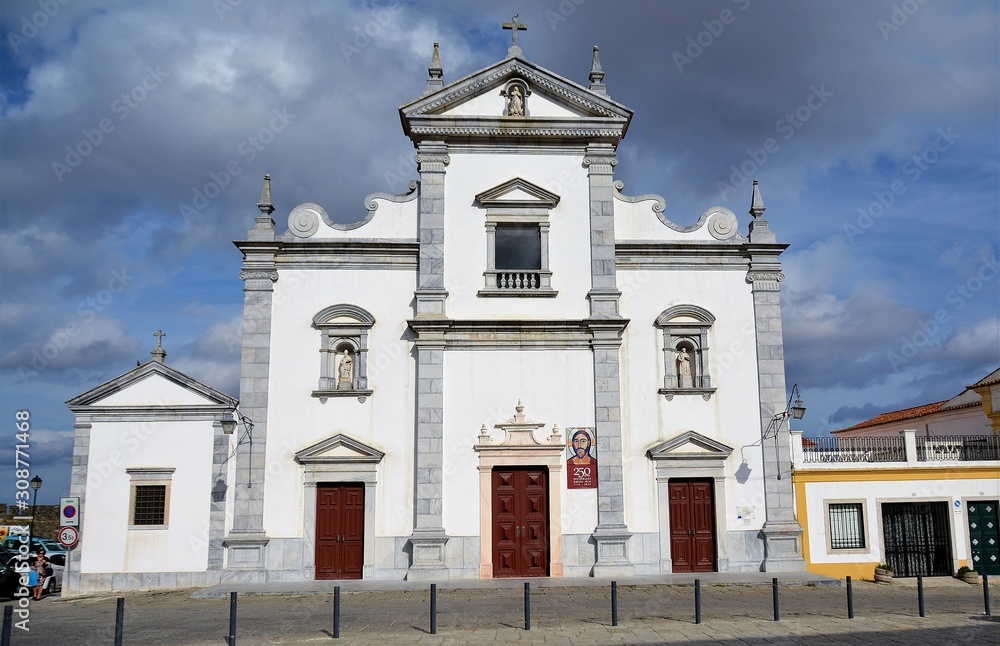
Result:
[514,369]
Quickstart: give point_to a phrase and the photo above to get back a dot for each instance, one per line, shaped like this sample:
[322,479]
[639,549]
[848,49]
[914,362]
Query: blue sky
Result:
[134,136]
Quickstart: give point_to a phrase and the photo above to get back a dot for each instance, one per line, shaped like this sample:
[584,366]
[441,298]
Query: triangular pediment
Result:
[518,192]
[474,107]
[690,445]
[337,449]
[152,384]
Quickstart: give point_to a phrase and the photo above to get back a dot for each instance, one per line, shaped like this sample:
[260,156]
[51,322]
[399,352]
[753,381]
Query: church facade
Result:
[514,369]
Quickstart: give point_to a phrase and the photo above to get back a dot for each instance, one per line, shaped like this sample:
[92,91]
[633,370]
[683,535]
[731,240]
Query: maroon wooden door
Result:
[692,527]
[340,531]
[520,522]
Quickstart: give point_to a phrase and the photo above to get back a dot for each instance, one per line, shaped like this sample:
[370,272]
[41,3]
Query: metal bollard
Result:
[336,612]
[8,618]
[527,606]
[434,608]
[774,598]
[920,594]
[697,601]
[850,599]
[614,603]
[119,620]
[986,593]
[232,618]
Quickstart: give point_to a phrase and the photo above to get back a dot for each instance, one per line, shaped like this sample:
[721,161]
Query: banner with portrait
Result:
[581,457]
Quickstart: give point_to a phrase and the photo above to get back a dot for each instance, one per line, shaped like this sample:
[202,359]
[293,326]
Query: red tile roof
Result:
[896,416]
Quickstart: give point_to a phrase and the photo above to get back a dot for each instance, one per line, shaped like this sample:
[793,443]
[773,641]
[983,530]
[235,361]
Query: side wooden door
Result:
[340,531]
[520,522]
[692,525]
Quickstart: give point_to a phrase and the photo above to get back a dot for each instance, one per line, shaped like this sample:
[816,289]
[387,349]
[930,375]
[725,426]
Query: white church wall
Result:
[185,447]
[555,386]
[730,416]
[154,389]
[465,234]
[638,221]
[297,420]
[391,220]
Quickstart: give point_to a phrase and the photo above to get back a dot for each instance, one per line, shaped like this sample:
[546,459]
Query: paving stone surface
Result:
[570,614]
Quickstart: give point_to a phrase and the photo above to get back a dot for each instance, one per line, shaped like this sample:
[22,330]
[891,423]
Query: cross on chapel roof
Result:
[514,26]
[159,354]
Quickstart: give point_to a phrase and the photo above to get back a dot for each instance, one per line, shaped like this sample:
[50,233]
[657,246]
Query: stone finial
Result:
[556,436]
[758,226]
[484,435]
[514,26]
[159,354]
[757,207]
[265,205]
[263,225]
[435,72]
[597,75]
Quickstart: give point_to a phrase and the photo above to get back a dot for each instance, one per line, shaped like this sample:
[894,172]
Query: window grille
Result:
[150,505]
[847,527]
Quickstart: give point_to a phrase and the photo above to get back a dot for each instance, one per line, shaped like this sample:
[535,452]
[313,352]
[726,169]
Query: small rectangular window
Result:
[518,246]
[149,497]
[847,526]
[150,505]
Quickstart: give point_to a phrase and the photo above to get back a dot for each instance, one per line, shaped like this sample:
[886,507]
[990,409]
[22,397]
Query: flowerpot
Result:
[883,576]
[970,577]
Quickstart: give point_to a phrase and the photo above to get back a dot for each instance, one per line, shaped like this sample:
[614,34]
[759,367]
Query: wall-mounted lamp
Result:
[229,423]
[797,412]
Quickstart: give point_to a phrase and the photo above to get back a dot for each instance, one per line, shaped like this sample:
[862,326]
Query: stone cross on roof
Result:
[514,26]
[159,354]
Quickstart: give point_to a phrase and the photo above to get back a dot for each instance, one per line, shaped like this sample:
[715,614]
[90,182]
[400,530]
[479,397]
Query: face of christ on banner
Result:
[581,467]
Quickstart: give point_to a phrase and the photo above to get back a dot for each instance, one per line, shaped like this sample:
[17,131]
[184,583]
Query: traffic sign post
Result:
[68,536]
[69,511]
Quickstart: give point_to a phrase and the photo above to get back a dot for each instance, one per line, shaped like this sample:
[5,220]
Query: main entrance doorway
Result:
[917,538]
[692,530]
[520,521]
[340,531]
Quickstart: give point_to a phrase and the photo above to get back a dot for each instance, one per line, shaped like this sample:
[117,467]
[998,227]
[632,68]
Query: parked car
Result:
[10,575]
[13,544]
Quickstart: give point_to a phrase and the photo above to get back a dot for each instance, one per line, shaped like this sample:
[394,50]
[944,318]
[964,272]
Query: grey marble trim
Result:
[428,539]
[153,413]
[781,532]
[498,334]
[145,371]
[78,487]
[497,74]
[217,513]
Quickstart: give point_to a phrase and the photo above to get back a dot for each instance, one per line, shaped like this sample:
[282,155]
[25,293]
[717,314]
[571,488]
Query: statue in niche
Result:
[515,103]
[684,379]
[345,372]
